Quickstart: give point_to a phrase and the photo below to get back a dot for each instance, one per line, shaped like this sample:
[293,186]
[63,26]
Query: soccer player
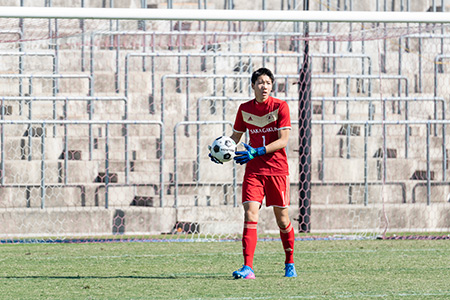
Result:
[268,123]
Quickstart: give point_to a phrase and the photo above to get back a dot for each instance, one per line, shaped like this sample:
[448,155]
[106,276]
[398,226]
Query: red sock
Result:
[287,238]
[249,239]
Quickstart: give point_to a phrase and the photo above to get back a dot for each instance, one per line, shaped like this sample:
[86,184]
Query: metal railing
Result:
[19,33]
[250,56]
[65,99]
[428,185]
[107,179]
[348,101]
[437,61]
[90,110]
[420,54]
[21,55]
[350,185]
[203,56]
[107,184]
[232,35]
[366,182]
[428,125]
[54,77]
[189,77]
[175,160]
[42,190]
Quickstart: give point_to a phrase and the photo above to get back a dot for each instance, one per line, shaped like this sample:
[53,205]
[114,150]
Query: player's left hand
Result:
[243,157]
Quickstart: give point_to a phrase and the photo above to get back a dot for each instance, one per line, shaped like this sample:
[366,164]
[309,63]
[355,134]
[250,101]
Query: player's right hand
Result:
[213,159]
[243,157]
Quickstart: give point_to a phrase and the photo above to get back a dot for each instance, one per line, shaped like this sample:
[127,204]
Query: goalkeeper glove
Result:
[243,157]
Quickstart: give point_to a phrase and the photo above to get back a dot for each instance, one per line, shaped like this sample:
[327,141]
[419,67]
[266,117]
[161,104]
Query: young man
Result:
[268,122]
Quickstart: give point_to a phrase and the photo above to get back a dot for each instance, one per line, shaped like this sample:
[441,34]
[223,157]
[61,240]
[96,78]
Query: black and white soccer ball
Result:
[223,148]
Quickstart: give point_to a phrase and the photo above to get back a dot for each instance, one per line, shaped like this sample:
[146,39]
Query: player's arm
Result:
[236,136]
[284,125]
[281,142]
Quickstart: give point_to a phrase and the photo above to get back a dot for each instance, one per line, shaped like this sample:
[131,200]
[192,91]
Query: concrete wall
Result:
[213,221]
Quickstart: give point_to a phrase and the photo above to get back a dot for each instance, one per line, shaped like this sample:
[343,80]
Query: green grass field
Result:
[364,269]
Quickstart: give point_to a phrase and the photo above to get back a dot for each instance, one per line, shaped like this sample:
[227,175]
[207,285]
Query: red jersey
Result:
[263,121]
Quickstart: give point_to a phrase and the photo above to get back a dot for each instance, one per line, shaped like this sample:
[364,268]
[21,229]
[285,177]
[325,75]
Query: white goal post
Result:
[224,15]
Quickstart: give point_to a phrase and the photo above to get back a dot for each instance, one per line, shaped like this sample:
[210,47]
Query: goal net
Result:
[106,121]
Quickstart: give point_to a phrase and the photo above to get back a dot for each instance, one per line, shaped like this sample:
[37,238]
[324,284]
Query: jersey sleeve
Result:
[284,120]
[239,124]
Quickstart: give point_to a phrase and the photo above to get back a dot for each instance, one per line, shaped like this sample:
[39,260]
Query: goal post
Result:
[105,122]
[224,15]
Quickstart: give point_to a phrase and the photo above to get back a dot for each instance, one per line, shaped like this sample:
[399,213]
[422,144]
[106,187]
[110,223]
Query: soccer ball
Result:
[223,148]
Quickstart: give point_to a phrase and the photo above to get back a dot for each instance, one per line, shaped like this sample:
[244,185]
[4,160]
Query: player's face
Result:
[262,88]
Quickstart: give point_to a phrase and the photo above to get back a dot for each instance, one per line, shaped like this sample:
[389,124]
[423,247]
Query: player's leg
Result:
[250,234]
[278,196]
[249,240]
[287,238]
[252,196]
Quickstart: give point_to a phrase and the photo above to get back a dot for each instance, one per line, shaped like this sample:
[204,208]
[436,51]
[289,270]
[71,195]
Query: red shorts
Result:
[275,188]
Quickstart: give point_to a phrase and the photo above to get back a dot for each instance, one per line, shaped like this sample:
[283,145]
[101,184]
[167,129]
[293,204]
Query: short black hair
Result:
[262,71]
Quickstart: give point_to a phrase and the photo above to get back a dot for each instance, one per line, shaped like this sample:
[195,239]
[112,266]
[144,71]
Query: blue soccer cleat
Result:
[245,272]
[290,270]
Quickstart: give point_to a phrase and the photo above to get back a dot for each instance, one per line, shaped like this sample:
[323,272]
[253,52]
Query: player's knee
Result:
[283,220]
[251,212]
[251,217]
[284,223]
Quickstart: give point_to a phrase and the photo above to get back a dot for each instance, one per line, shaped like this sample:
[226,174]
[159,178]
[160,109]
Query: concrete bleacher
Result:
[200,182]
